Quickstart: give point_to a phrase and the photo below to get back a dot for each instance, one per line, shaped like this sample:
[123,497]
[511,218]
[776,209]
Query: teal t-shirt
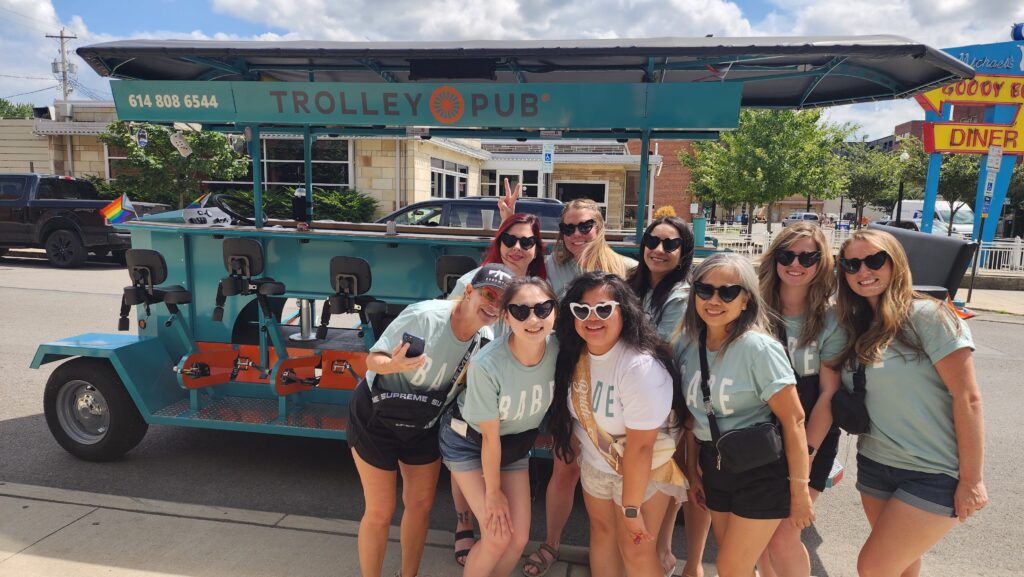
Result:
[560,275]
[430,320]
[500,387]
[827,346]
[462,283]
[910,407]
[671,312]
[752,369]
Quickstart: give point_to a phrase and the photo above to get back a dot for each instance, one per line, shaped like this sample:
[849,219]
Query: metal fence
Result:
[1001,256]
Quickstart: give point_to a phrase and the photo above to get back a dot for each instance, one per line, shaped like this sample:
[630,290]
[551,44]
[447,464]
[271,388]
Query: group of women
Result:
[664,387]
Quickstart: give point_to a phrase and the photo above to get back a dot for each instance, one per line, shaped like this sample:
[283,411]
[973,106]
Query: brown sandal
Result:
[543,565]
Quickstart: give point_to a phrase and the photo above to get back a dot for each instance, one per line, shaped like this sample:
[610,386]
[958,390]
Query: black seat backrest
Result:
[147,268]
[450,268]
[243,257]
[937,263]
[350,279]
[350,275]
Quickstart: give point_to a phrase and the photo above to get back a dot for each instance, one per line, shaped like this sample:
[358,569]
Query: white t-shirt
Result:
[628,389]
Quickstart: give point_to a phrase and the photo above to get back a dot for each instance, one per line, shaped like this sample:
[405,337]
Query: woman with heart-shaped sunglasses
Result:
[797,283]
[919,465]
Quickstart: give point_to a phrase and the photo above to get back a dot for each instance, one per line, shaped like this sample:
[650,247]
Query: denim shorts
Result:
[460,454]
[931,492]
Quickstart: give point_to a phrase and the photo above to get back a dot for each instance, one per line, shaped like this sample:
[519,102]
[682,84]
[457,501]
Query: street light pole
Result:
[904,157]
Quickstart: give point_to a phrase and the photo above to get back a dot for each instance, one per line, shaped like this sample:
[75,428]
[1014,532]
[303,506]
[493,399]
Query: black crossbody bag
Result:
[408,415]
[808,387]
[849,411]
[743,449]
[514,446]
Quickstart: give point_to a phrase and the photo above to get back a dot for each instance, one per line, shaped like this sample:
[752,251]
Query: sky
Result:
[26,54]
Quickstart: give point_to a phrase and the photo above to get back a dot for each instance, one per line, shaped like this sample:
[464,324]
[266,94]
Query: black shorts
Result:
[760,493]
[378,445]
[821,467]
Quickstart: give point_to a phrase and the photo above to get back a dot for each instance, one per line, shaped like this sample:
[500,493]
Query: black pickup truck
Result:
[62,215]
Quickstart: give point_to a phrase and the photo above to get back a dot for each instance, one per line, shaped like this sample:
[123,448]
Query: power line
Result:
[32,92]
[49,25]
[25,77]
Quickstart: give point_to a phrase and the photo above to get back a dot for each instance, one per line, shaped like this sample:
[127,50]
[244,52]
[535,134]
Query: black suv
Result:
[469,212]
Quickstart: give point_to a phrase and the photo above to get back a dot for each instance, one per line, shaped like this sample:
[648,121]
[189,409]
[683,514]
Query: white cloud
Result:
[876,119]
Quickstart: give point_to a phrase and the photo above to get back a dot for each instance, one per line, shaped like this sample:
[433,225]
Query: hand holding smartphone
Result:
[416,345]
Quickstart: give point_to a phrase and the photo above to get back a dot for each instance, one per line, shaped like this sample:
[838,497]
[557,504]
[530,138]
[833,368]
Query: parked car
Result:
[963,220]
[801,217]
[469,212]
[61,215]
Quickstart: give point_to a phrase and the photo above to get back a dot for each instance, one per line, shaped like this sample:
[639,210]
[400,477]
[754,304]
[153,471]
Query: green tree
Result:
[9,109]
[771,155]
[871,176]
[159,173]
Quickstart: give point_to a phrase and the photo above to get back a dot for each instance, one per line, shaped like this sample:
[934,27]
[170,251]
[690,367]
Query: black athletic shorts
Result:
[823,459]
[378,445]
[760,493]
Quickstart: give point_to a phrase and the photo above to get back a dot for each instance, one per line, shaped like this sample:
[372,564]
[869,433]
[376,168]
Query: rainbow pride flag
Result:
[199,202]
[118,211]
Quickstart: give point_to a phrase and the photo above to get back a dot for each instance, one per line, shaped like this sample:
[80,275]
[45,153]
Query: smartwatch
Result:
[631,512]
[811,451]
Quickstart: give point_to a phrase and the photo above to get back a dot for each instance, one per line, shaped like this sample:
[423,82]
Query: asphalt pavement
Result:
[194,502]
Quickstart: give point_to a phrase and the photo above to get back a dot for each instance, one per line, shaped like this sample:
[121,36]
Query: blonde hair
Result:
[597,255]
[821,287]
[870,332]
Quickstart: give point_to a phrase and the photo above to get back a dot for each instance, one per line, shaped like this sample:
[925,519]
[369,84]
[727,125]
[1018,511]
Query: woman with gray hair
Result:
[740,390]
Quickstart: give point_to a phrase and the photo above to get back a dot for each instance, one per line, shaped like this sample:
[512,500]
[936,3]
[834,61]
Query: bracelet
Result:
[795,480]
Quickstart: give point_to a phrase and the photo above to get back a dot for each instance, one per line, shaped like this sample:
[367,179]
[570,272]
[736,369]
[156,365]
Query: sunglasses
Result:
[667,244]
[570,229]
[522,312]
[727,293]
[806,259]
[602,310]
[874,262]
[525,242]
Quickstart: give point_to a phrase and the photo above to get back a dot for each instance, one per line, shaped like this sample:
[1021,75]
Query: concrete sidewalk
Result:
[1005,302]
[47,532]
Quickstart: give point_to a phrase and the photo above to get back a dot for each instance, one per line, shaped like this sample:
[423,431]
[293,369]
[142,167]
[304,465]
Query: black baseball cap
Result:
[495,275]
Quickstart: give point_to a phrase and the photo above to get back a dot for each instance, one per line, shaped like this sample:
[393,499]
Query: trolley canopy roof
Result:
[781,72]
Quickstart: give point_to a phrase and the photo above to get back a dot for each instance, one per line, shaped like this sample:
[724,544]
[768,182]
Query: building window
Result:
[284,169]
[632,195]
[448,179]
[596,191]
[492,182]
[117,162]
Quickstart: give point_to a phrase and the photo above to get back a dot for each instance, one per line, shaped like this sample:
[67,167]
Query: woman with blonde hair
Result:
[919,465]
[797,284]
[740,391]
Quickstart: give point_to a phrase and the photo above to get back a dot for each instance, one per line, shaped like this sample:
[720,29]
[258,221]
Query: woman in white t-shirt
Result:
[615,391]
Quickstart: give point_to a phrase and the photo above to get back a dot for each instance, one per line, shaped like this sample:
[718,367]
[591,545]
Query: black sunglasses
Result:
[806,259]
[522,312]
[525,242]
[570,229]
[667,244]
[874,262]
[727,292]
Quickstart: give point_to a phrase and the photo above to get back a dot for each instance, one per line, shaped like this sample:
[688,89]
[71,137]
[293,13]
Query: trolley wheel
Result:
[89,411]
[64,249]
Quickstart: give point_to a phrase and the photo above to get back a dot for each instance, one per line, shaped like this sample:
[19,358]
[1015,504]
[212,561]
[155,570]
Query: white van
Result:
[963,220]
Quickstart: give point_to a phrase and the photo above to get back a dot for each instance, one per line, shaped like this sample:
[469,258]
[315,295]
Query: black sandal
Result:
[461,554]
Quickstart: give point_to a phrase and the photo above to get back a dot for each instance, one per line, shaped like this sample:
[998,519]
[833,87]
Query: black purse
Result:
[849,411]
[743,449]
[808,387]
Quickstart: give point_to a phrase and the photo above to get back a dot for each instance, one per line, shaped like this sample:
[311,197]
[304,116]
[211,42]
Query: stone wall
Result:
[21,150]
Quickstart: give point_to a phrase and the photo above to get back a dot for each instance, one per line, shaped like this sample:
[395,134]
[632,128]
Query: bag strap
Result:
[458,381]
[705,390]
[859,380]
[580,396]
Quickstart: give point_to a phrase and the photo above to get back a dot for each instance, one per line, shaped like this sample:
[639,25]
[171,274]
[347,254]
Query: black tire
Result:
[64,249]
[89,411]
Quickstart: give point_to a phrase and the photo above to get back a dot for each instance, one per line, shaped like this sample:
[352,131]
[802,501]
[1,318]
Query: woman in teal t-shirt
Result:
[660,280]
[750,381]
[486,439]
[797,283]
[919,466]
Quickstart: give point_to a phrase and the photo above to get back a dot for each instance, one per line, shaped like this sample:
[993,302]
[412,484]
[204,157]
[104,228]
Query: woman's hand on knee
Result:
[499,516]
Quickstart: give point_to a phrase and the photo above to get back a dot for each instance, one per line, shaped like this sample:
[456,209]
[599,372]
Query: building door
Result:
[596,191]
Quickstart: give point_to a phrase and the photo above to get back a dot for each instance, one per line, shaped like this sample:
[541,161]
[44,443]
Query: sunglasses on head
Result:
[667,244]
[570,229]
[806,259]
[874,262]
[522,312]
[727,292]
[602,310]
[525,242]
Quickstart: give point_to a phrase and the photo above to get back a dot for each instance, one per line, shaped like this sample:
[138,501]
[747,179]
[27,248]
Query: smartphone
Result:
[415,345]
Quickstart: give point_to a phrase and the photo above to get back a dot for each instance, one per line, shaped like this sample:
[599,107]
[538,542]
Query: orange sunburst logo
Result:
[447,105]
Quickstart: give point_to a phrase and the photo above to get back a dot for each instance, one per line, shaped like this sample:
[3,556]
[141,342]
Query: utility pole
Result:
[64,67]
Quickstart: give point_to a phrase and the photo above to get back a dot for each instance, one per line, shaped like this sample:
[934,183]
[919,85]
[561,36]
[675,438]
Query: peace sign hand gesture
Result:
[507,203]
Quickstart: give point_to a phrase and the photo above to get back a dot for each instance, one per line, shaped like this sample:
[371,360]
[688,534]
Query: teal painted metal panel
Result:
[697,106]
